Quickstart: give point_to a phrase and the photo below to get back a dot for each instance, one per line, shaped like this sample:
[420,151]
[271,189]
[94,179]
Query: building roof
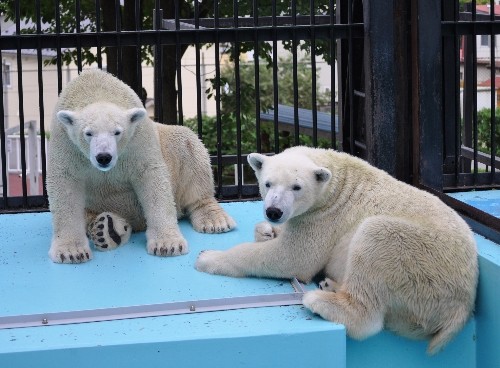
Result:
[487,83]
[286,119]
[485,9]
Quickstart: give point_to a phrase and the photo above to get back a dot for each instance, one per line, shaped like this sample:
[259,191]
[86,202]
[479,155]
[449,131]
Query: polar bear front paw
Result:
[167,247]
[215,262]
[264,232]
[70,251]
[329,285]
[211,219]
[108,231]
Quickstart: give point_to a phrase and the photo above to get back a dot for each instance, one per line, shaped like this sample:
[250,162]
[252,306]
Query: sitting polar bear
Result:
[112,170]
[394,256]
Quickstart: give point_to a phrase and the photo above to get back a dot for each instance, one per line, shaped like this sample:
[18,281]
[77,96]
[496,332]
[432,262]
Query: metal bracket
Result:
[154,310]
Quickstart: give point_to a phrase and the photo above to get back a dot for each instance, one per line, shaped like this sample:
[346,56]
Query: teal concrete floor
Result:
[30,284]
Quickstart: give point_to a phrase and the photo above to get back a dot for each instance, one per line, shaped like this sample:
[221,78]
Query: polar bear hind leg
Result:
[108,231]
[396,265]
[341,307]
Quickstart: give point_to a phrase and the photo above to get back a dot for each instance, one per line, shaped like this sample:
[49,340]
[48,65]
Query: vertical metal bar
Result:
[458,124]
[350,77]
[313,75]
[492,95]
[198,69]
[340,11]
[474,91]
[78,36]
[119,49]
[257,75]
[58,46]
[217,100]
[41,104]
[138,47]
[20,94]
[333,81]
[275,79]
[237,81]
[178,58]
[295,77]
[157,21]
[449,93]
[3,151]
[98,32]
[468,99]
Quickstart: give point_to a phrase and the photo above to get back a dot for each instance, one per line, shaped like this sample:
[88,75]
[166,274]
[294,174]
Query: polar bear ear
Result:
[66,117]
[136,114]
[256,160]
[323,175]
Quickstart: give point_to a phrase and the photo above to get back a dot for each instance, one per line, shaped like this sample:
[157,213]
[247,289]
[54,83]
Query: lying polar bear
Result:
[112,170]
[394,256]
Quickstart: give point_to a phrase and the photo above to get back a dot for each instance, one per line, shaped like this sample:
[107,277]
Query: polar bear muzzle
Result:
[103,151]
[103,159]
[274,214]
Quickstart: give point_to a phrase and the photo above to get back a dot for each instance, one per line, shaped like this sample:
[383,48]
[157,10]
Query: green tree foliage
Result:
[484,131]
[126,19]
[247,110]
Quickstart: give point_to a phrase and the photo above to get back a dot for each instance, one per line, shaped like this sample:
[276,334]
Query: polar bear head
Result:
[289,183]
[101,131]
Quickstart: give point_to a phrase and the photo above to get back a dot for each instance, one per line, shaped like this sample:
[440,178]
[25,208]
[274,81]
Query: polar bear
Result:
[111,170]
[394,256]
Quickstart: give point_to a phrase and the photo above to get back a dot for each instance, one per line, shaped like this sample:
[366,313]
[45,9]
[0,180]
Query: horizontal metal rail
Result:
[243,22]
[482,157]
[183,36]
[154,310]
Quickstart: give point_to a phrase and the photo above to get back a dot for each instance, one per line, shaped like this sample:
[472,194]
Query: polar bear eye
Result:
[118,132]
[268,185]
[88,134]
[296,187]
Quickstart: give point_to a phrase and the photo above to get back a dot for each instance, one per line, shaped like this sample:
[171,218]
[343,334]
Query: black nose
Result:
[103,159]
[273,213]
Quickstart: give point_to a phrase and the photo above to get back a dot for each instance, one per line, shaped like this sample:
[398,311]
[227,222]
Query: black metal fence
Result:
[471,95]
[396,83]
[55,39]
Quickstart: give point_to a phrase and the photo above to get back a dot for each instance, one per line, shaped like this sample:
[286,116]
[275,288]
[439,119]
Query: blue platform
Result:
[485,200]
[281,336]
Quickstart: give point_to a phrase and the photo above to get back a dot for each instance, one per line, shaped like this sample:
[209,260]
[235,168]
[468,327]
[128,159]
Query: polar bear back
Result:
[358,190]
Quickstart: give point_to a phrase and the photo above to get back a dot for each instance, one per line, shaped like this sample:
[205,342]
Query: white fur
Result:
[395,256]
[150,174]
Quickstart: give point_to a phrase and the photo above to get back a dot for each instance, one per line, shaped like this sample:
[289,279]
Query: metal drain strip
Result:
[153,310]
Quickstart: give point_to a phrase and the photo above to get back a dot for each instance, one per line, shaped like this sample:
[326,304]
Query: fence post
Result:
[33,158]
[427,93]
[386,70]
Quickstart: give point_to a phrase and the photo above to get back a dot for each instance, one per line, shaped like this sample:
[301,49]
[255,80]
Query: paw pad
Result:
[108,231]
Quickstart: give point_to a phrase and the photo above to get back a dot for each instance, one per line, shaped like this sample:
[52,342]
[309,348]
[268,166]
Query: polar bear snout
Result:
[274,214]
[103,151]
[103,159]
